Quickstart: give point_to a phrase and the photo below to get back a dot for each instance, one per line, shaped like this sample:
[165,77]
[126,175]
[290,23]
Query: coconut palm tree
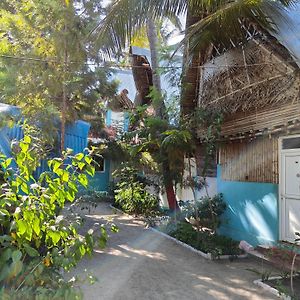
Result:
[209,24]
[217,23]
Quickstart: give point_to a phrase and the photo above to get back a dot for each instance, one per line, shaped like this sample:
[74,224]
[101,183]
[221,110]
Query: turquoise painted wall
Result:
[100,182]
[252,212]
[108,118]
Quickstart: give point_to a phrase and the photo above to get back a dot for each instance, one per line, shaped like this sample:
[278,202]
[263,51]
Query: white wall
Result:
[186,194]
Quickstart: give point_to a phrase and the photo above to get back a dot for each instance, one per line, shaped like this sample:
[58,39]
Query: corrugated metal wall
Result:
[76,138]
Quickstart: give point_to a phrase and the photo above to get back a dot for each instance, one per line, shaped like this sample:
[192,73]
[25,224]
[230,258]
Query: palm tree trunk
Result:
[153,42]
[160,109]
[191,81]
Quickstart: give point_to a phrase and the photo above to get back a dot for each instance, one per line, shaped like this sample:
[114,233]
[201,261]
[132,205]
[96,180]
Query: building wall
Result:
[75,138]
[100,182]
[252,213]
[186,194]
[250,160]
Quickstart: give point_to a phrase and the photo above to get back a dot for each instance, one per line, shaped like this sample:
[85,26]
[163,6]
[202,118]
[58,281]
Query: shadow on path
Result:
[139,264]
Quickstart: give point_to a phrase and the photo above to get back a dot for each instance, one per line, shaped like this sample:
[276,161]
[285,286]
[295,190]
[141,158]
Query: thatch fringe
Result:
[256,79]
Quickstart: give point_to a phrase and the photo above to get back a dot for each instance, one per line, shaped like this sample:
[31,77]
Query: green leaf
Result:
[15,269]
[82,250]
[6,163]
[27,139]
[21,226]
[65,176]
[36,226]
[5,238]
[79,156]
[114,228]
[6,255]
[4,212]
[4,272]
[88,160]
[16,255]
[56,165]
[102,242]
[24,147]
[83,180]
[81,165]
[55,236]
[24,188]
[31,251]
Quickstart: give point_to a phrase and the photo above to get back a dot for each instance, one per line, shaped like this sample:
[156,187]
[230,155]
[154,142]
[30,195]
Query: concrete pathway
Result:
[139,264]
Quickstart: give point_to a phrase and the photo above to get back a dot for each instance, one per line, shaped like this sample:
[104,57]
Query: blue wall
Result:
[100,182]
[76,134]
[252,212]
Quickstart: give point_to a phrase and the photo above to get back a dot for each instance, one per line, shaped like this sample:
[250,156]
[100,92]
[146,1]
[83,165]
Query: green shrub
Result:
[204,241]
[95,196]
[36,241]
[185,232]
[207,210]
[131,194]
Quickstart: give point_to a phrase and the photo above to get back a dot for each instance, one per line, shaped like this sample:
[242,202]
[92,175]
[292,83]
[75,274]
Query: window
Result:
[99,163]
[291,143]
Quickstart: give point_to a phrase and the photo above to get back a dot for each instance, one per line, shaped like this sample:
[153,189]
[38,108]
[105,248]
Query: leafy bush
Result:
[207,210]
[131,194]
[95,196]
[184,232]
[204,241]
[36,241]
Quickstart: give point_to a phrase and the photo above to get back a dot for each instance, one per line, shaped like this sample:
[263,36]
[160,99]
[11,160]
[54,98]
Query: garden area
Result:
[123,171]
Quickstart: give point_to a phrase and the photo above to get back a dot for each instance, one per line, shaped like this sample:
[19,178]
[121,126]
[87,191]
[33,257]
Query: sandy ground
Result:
[139,264]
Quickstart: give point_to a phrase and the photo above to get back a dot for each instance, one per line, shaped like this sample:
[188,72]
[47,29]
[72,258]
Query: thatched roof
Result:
[121,102]
[251,78]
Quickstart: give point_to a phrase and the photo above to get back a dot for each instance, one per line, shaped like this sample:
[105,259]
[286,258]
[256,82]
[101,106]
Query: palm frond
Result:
[227,23]
[126,17]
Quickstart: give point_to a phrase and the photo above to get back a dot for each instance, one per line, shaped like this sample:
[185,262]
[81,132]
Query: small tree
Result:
[49,66]
[36,240]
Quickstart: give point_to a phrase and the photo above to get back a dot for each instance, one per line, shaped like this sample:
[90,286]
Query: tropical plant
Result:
[206,211]
[131,193]
[37,240]
[209,26]
[295,246]
[215,244]
[158,147]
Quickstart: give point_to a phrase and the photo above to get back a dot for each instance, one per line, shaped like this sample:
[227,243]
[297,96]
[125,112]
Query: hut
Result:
[257,89]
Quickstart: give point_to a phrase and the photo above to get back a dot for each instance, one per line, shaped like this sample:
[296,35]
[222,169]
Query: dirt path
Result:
[141,265]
